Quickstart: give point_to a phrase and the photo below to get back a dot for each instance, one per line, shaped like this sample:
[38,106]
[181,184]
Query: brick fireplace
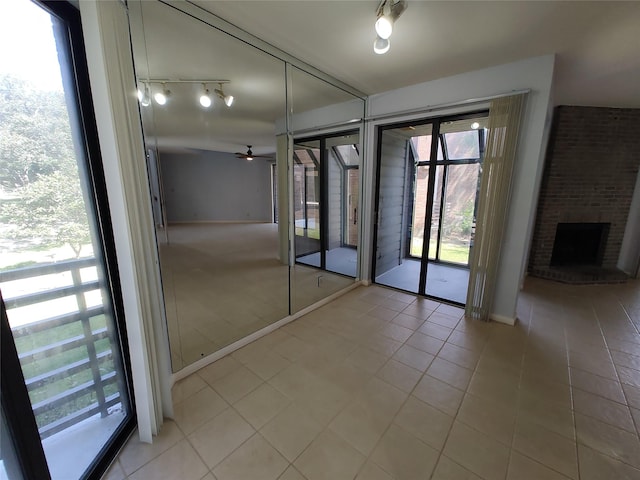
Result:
[590,173]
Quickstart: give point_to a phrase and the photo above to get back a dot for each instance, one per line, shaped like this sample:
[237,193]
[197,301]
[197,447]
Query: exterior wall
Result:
[590,176]
[391,202]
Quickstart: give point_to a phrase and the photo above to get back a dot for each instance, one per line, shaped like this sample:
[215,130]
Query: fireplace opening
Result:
[579,244]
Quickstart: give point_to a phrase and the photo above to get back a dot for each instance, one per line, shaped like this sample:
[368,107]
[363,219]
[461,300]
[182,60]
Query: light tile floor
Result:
[379,385]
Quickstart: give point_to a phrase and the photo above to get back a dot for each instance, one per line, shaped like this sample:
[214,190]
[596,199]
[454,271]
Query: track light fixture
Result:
[205,98]
[143,95]
[161,97]
[228,99]
[386,15]
[384,24]
[381,45]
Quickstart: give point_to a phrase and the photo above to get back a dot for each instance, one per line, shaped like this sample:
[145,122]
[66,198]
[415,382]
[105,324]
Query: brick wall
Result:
[590,173]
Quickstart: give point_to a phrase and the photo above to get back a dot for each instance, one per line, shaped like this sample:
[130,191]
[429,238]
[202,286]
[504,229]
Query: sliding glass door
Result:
[65,389]
[326,187]
[427,188]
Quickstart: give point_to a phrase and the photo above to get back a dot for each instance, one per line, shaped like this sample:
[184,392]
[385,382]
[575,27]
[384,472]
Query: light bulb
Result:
[384,27]
[228,100]
[475,125]
[160,98]
[381,45]
[249,158]
[205,99]
[143,97]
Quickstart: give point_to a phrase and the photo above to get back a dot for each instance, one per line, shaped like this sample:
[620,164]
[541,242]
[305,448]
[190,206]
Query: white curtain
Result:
[493,203]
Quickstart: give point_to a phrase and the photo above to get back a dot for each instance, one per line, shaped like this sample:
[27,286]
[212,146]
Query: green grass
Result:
[448,252]
[60,359]
[311,233]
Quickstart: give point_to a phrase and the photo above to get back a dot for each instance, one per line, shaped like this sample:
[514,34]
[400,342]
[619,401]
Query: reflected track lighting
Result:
[205,98]
[161,97]
[228,99]
[143,95]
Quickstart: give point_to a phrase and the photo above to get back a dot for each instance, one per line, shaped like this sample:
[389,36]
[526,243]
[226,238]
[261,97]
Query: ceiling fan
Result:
[250,155]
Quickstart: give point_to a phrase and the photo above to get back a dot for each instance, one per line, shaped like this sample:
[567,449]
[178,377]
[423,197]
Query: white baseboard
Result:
[503,319]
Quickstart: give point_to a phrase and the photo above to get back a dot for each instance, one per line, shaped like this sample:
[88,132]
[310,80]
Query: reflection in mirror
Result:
[325,191]
[212,171]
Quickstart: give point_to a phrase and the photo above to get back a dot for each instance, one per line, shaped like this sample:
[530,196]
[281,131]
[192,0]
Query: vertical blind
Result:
[493,202]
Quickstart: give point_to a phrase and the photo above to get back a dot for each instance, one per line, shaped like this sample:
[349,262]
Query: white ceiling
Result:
[597,43]
[597,46]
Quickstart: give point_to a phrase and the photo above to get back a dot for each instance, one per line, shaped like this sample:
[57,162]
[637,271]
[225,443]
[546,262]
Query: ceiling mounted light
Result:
[384,24]
[143,95]
[205,98]
[228,99]
[475,125]
[381,45]
[386,15]
[162,96]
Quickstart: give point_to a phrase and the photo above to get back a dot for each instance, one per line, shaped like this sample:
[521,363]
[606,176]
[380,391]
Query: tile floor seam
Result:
[400,408]
[571,396]
[155,456]
[455,417]
[606,342]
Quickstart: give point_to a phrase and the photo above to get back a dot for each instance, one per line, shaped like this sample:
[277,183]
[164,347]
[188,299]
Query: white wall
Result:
[629,261]
[215,187]
[535,74]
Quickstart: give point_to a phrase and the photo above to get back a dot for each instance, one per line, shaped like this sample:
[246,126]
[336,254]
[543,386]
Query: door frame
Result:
[433,164]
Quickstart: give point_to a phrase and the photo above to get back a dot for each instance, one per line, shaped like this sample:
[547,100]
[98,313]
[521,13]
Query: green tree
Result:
[35,138]
[42,202]
[49,212]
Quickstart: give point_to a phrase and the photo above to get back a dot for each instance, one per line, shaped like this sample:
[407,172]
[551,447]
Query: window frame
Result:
[15,400]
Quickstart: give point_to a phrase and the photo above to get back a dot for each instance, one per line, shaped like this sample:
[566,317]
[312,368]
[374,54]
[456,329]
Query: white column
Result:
[106,35]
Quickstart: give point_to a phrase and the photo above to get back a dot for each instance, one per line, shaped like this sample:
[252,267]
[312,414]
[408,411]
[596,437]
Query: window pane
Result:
[422,147]
[435,218]
[460,198]
[421,185]
[306,188]
[341,205]
[349,154]
[51,271]
[353,182]
[462,145]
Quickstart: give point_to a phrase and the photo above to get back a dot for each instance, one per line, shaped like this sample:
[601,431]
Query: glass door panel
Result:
[421,186]
[52,271]
[435,215]
[351,228]
[403,177]
[342,164]
[404,207]
[306,188]
[460,199]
